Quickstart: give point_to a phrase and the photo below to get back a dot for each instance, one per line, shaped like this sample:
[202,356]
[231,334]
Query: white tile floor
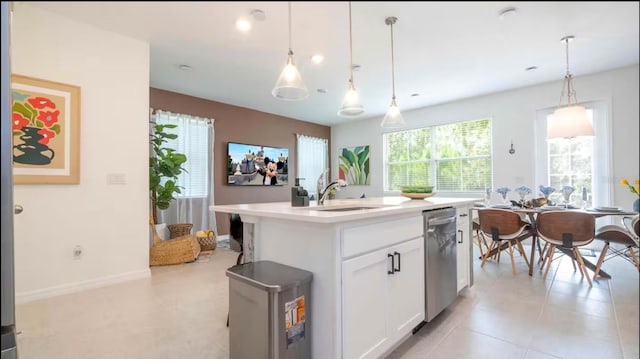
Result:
[180,312]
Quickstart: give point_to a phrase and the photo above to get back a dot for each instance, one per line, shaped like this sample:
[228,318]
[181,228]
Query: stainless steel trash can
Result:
[269,306]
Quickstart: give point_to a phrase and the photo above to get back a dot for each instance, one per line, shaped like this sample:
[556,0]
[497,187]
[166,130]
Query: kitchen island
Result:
[367,260]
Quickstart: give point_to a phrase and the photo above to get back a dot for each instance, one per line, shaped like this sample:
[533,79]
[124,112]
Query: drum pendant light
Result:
[570,120]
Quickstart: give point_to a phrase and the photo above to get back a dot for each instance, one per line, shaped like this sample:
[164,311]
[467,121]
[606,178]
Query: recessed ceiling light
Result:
[531,68]
[415,94]
[243,24]
[258,14]
[317,59]
[507,13]
[322,90]
[185,67]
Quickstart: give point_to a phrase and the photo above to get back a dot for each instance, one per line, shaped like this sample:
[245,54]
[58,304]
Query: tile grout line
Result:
[544,304]
[615,316]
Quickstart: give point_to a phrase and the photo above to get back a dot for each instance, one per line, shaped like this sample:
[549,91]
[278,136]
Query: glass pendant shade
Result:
[351,105]
[570,121]
[290,85]
[393,118]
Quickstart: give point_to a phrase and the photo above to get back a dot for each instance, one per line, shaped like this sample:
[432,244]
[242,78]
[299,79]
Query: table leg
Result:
[534,241]
[533,253]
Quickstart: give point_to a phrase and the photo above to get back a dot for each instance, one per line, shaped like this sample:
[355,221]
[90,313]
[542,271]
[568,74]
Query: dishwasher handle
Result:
[440,221]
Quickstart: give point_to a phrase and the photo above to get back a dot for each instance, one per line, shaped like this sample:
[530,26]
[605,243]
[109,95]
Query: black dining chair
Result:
[627,236]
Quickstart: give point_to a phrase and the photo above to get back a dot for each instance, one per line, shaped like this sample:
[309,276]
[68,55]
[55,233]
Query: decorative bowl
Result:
[416,189]
[417,195]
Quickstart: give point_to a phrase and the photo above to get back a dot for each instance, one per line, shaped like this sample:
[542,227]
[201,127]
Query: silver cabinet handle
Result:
[17,209]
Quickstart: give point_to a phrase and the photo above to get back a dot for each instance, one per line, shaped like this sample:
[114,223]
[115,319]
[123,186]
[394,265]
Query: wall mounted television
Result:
[257,165]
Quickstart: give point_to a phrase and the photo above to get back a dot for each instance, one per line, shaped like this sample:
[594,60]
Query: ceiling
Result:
[444,51]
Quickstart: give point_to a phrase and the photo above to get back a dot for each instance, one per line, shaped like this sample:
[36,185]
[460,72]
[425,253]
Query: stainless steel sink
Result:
[343,209]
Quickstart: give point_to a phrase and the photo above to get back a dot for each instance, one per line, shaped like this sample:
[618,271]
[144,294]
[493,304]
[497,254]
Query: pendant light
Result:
[289,85]
[570,120]
[393,118]
[351,105]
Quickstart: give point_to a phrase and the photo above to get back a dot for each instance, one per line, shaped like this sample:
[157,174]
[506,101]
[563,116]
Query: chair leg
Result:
[634,257]
[481,240]
[573,263]
[550,252]
[540,251]
[581,262]
[513,262]
[601,260]
[543,257]
[524,255]
[574,259]
[486,255]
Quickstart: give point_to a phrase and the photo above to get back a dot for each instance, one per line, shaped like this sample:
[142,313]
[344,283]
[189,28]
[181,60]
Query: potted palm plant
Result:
[165,165]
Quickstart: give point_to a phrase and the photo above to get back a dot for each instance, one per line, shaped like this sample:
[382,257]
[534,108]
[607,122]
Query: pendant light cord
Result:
[350,48]
[566,41]
[393,78]
[567,83]
[290,52]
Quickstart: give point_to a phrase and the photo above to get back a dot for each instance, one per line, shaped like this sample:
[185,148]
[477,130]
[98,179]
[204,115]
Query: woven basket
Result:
[179,230]
[207,243]
[172,251]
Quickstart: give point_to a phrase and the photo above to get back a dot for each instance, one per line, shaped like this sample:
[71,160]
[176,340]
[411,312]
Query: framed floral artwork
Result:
[353,165]
[46,131]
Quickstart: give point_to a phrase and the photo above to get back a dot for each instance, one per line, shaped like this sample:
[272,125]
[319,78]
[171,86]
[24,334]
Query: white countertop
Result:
[382,206]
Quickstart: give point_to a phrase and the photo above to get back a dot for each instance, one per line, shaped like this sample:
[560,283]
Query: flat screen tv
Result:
[257,165]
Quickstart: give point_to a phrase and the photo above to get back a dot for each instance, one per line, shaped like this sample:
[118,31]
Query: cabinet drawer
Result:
[360,239]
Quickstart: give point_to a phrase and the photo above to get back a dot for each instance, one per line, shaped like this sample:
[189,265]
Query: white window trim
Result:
[603,194]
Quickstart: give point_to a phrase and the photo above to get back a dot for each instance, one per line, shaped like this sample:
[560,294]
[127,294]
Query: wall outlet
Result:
[77,252]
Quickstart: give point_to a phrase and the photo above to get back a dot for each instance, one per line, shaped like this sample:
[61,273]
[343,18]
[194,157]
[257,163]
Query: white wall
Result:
[513,113]
[109,221]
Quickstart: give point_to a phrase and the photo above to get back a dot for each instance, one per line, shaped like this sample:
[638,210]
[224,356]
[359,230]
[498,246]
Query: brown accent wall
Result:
[239,124]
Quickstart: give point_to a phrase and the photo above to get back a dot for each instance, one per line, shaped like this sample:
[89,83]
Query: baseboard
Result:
[222,237]
[30,296]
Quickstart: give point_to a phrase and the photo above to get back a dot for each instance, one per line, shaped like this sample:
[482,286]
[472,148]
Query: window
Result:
[312,159]
[571,161]
[578,162]
[193,142]
[453,158]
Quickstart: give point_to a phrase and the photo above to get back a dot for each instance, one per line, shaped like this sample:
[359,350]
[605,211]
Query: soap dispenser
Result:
[299,195]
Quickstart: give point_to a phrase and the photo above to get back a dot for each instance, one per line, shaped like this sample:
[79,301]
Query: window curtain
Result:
[195,140]
[312,159]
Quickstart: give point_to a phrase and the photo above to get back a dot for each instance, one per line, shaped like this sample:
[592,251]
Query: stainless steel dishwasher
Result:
[441,279]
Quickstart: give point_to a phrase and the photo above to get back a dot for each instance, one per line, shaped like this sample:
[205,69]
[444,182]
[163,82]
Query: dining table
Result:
[532,214]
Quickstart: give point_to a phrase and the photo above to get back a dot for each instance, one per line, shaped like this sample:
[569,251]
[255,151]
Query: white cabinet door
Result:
[406,288]
[462,249]
[365,305]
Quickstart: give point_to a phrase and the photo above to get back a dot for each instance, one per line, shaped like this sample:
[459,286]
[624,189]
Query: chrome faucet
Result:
[323,191]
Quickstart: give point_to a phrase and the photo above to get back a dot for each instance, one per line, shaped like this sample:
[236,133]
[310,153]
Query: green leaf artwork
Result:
[354,165]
